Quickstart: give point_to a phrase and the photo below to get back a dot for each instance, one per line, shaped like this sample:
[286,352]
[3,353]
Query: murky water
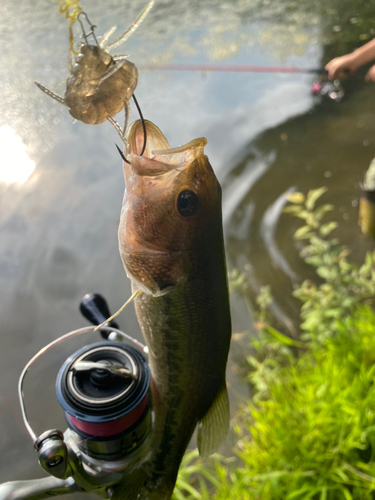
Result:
[266,136]
[331,145]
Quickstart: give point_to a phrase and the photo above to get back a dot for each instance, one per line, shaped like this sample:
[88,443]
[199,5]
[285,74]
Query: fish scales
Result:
[179,262]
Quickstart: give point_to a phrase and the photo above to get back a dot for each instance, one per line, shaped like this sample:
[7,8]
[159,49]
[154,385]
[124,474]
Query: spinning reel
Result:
[104,390]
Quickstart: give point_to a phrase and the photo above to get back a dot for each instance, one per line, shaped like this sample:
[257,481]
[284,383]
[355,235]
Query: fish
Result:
[172,247]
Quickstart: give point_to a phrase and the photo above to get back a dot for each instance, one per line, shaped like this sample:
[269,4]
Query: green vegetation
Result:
[344,284]
[309,430]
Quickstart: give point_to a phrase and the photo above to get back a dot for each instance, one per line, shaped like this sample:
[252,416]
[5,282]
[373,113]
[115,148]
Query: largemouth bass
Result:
[171,245]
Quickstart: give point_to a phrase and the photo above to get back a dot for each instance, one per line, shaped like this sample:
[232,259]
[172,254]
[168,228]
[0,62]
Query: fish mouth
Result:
[158,157]
[157,233]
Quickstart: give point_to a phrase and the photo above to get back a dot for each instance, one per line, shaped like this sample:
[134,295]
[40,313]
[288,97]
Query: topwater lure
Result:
[100,85]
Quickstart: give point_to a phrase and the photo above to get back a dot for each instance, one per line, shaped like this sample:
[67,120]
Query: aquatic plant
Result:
[309,430]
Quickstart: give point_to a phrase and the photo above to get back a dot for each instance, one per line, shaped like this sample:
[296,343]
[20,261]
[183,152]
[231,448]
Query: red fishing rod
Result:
[320,86]
[232,67]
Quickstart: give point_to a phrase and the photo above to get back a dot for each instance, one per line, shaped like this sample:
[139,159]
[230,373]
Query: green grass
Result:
[309,431]
[314,436]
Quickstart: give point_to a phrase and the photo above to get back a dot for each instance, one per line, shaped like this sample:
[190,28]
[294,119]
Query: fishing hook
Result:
[143,125]
[122,154]
[144,132]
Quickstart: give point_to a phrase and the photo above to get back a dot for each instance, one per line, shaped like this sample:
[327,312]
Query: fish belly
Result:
[187,332]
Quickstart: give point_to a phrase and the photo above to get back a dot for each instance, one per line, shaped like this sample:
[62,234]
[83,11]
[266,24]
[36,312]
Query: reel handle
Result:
[95,309]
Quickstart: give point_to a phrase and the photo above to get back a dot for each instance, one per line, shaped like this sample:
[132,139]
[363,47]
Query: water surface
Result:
[266,136]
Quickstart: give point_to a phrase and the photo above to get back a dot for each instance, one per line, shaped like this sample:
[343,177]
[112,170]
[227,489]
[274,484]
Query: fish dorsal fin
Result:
[213,427]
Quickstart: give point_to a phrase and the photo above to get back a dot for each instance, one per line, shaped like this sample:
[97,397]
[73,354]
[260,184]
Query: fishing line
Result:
[13,411]
[134,295]
[70,9]
[56,342]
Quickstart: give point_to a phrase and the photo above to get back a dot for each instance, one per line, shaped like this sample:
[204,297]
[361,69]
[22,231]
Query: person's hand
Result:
[370,75]
[339,66]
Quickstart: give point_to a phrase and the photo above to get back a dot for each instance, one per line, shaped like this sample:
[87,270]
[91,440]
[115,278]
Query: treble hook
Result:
[144,132]
[92,27]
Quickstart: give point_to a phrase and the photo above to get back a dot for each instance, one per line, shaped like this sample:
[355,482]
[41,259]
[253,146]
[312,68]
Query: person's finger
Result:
[334,69]
[329,68]
[370,75]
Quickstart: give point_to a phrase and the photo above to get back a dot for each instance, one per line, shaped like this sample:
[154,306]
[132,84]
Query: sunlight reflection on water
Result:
[15,165]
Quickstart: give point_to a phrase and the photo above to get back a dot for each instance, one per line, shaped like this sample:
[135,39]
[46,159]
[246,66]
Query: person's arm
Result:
[351,62]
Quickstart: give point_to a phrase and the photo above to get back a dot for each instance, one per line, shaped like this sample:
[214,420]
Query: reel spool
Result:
[104,390]
[322,86]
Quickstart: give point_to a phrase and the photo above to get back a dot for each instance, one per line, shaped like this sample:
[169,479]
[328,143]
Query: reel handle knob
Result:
[95,309]
[53,454]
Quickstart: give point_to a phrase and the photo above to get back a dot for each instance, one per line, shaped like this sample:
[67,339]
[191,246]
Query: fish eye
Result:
[187,203]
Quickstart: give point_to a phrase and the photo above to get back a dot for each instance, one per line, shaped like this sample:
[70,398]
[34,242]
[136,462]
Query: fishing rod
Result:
[232,68]
[320,86]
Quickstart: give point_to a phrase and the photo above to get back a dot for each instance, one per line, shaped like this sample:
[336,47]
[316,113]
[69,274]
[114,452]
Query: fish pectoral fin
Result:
[213,427]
